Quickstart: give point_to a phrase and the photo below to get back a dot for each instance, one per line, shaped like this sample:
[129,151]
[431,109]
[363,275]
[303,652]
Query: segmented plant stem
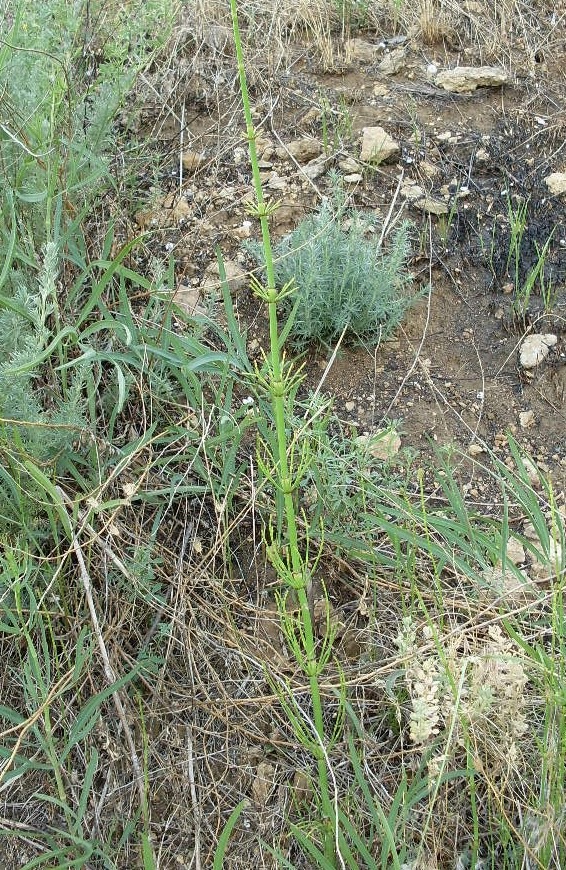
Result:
[278,390]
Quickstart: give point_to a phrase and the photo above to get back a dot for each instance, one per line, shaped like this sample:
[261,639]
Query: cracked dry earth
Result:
[465,157]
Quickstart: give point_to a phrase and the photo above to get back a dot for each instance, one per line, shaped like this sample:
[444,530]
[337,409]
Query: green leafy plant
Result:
[353,15]
[421,693]
[343,483]
[345,282]
[284,465]
[32,428]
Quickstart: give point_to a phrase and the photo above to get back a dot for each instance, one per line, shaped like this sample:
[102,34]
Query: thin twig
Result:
[194,801]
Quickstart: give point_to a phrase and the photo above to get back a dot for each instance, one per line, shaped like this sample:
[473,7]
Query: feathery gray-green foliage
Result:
[37,423]
[344,280]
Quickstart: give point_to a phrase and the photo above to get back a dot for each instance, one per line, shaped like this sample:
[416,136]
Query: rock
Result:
[535,349]
[429,169]
[263,784]
[237,278]
[145,219]
[431,206]
[286,217]
[465,79]
[189,298]
[556,183]
[362,50]
[302,150]
[380,90]
[482,155]
[412,191]
[547,568]
[353,178]
[168,211]
[315,168]
[240,156]
[526,419]
[349,165]
[530,532]
[532,473]
[276,182]
[264,147]
[392,62]
[383,444]
[244,231]
[377,145]
[515,551]
[217,37]
[302,788]
[313,115]
[253,347]
[192,161]
[475,449]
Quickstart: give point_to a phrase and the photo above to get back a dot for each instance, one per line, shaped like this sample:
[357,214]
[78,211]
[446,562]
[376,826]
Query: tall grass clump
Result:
[345,281]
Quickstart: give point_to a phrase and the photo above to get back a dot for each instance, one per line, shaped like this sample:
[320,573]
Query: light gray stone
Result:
[535,349]
[383,444]
[303,150]
[515,551]
[190,299]
[235,275]
[192,161]
[393,62]
[465,79]
[316,168]
[412,191]
[349,165]
[362,50]
[377,145]
[556,183]
[431,206]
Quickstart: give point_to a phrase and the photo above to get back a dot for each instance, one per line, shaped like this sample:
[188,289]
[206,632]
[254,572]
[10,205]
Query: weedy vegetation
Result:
[231,635]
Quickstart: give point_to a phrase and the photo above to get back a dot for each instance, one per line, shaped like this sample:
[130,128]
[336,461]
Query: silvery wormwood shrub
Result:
[39,422]
[344,280]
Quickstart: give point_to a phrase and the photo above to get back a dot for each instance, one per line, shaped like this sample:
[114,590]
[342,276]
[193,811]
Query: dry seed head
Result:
[489,678]
[424,689]
[406,639]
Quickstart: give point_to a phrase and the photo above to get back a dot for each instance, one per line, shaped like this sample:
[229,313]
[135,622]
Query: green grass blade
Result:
[311,849]
[224,838]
